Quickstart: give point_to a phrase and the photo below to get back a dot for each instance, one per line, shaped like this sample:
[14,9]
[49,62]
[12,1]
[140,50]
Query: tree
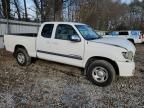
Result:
[25,8]
[17,5]
[6,8]
[49,9]
[58,10]
[1,12]
[137,14]
[101,14]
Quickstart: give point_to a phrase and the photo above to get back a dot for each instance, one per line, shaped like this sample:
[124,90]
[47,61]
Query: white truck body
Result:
[29,42]
[75,53]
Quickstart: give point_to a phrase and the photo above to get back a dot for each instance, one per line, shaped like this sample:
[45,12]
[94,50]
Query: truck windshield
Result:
[87,32]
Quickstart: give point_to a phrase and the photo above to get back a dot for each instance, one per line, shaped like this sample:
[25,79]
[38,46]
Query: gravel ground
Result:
[47,84]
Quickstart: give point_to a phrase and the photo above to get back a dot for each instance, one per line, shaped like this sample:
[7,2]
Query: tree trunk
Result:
[18,10]
[58,10]
[6,8]
[26,15]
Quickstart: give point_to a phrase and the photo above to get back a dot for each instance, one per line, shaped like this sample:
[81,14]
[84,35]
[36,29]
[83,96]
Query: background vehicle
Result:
[135,36]
[78,45]
[101,33]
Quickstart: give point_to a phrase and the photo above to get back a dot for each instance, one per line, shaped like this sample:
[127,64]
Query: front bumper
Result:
[126,68]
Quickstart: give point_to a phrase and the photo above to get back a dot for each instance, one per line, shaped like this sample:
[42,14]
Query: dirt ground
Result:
[45,84]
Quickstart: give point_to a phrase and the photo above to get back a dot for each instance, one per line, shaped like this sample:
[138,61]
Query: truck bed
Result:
[26,40]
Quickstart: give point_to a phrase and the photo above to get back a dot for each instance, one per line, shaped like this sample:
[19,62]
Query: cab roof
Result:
[70,23]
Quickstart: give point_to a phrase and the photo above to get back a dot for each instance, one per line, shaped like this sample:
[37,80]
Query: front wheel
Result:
[101,73]
[22,57]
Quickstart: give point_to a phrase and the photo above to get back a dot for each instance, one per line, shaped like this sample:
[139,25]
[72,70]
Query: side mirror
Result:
[75,38]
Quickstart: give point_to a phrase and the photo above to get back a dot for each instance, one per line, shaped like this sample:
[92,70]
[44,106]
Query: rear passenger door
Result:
[43,43]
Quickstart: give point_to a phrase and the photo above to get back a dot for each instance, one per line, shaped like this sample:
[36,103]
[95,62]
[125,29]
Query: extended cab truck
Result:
[78,45]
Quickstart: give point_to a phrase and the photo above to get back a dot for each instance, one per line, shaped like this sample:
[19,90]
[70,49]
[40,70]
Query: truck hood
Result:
[117,42]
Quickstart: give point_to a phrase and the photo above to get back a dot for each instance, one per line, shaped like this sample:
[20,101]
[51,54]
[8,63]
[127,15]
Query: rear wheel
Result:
[101,73]
[22,57]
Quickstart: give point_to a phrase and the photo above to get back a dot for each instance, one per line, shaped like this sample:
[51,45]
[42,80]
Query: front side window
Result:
[87,32]
[64,31]
[47,30]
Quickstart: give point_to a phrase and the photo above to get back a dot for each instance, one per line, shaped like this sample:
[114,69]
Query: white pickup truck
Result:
[78,45]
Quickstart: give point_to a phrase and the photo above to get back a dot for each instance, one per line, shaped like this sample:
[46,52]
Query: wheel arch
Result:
[18,46]
[113,63]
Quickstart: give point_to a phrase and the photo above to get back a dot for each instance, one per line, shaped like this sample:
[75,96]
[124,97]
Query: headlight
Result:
[128,55]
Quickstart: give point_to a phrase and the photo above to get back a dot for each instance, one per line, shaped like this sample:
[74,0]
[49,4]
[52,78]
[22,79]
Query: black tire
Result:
[26,58]
[108,72]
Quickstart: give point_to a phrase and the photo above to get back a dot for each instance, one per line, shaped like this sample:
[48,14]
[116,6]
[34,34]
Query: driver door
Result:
[63,49]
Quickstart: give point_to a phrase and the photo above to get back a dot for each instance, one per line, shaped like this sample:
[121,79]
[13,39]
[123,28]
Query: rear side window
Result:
[123,33]
[47,30]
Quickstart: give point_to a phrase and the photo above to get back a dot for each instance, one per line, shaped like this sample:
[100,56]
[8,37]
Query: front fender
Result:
[105,51]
